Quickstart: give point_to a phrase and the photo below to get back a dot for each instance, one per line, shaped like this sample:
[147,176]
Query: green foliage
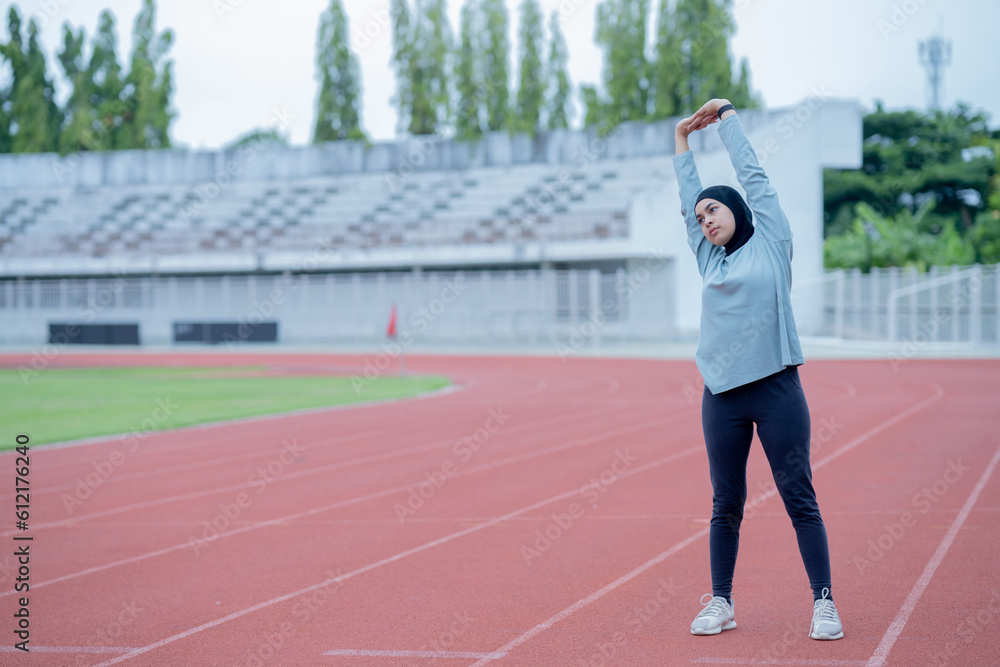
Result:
[559,89]
[31,116]
[667,69]
[875,240]
[621,34]
[76,135]
[103,111]
[691,64]
[337,115]
[468,73]
[421,57]
[105,90]
[148,86]
[257,138]
[985,237]
[496,53]
[437,46]
[948,159]
[531,89]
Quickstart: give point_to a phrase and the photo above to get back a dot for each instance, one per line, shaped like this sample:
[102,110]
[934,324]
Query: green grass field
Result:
[64,404]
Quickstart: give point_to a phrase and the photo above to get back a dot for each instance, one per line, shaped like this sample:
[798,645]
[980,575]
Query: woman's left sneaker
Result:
[826,621]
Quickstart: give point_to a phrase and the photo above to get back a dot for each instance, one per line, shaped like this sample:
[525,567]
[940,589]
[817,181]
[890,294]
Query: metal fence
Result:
[956,304]
[571,308]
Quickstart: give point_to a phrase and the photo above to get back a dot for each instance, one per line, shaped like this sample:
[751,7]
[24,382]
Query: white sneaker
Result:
[718,615]
[826,621]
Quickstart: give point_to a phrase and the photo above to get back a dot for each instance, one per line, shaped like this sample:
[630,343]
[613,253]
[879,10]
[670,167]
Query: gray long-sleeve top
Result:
[747,327]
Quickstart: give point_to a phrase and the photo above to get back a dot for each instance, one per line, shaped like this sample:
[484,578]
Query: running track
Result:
[575,535]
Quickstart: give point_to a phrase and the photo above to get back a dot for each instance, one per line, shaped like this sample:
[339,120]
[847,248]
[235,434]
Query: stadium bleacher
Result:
[358,211]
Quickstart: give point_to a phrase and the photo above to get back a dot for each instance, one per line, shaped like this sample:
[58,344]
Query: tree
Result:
[76,136]
[692,58]
[421,49]
[621,33]
[468,74]
[33,109]
[148,86]
[558,77]
[12,52]
[337,115]
[104,74]
[496,53]
[949,160]
[531,89]
[908,157]
[261,136]
[401,48]
[437,47]
[667,68]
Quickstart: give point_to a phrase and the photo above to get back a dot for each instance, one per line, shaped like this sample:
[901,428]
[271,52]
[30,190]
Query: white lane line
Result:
[411,654]
[938,393]
[198,465]
[68,649]
[780,661]
[352,501]
[440,444]
[396,557]
[544,625]
[580,604]
[892,633]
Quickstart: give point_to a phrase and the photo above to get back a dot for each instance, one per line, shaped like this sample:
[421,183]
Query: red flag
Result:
[391,331]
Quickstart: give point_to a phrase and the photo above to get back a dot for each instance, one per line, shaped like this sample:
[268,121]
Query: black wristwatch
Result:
[724,108]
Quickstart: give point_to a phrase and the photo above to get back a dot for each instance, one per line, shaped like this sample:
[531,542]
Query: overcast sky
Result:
[242,64]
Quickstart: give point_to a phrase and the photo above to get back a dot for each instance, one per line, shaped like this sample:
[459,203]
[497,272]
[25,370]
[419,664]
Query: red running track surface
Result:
[548,512]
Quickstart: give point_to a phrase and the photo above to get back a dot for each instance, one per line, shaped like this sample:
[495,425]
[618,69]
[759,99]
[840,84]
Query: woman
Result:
[748,354]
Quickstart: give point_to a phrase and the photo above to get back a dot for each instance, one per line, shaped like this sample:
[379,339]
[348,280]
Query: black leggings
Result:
[778,406]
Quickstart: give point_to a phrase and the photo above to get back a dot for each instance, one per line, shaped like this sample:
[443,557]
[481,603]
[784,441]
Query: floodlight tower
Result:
[935,55]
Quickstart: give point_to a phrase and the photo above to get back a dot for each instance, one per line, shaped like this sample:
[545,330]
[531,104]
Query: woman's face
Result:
[716,220]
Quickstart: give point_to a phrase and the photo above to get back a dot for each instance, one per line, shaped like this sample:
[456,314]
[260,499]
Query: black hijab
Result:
[741,213]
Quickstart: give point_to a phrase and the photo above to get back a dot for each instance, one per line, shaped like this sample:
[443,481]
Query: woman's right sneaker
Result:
[718,615]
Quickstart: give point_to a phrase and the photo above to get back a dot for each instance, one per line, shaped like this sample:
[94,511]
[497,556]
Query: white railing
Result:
[949,305]
[567,308]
